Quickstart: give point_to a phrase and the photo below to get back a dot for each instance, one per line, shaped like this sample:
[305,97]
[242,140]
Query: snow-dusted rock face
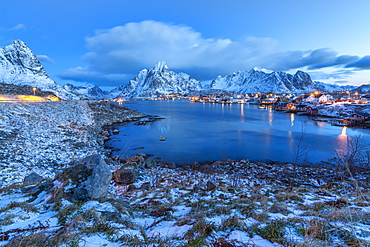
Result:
[326,87]
[87,91]
[363,89]
[20,66]
[260,80]
[159,81]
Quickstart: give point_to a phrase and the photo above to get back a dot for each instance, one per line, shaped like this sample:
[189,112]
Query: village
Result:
[341,108]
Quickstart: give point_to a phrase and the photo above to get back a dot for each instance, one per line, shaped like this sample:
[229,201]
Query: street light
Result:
[34,90]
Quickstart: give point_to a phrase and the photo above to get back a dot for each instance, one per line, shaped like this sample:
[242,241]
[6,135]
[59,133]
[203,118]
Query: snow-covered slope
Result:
[116,91]
[262,80]
[20,66]
[332,87]
[91,92]
[158,81]
[363,88]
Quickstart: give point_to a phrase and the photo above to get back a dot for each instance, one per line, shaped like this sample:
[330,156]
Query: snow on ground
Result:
[45,137]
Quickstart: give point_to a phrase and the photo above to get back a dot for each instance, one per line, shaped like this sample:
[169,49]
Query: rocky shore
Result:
[45,137]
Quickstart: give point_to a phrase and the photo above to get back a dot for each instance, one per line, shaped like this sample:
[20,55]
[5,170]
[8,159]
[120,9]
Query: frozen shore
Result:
[45,137]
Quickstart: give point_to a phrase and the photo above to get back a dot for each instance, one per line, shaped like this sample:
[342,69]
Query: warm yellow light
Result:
[34,90]
[316,92]
[30,98]
[53,98]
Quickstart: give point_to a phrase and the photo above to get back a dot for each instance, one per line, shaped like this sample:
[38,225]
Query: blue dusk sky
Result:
[106,42]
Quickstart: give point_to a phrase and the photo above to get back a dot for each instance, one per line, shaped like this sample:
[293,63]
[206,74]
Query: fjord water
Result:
[208,131]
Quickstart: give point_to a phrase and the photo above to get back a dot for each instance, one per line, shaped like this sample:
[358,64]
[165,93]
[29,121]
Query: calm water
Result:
[200,132]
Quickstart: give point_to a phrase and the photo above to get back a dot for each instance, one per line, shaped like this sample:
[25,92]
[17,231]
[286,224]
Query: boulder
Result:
[149,163]
[195,166]
[210,185]
[125,175]
[145,186]
[32,178]
[172,165]
[89,179]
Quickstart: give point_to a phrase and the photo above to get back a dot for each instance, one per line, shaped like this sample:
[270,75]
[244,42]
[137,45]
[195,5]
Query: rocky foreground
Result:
[45,137]
[96,200]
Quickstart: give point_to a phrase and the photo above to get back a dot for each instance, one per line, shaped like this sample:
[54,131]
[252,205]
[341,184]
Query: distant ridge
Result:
[259,80]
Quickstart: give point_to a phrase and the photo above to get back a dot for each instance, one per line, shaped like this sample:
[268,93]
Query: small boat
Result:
[163,138]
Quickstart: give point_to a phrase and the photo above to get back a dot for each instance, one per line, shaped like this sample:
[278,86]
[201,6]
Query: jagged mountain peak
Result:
[161,66]
[260,69]
[159,81]
[19,42]
[20,66]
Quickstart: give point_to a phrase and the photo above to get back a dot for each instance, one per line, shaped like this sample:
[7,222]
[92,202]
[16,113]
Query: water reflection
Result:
[292,119]
[242,113]
[320,124]
[342,149]
[271,117]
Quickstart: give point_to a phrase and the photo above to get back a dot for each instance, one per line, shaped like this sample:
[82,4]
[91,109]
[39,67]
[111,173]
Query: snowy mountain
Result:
[158,81]
[363,88]
[91,92]
[20,66]
[262,80]
[326,87]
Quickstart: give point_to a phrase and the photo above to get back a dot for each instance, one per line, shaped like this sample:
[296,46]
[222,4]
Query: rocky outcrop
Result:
[87,179]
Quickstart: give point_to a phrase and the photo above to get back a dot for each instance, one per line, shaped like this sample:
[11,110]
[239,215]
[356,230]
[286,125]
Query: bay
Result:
[209,131]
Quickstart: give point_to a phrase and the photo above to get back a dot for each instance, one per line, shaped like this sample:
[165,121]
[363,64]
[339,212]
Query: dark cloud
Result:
[362,64]
[124,50]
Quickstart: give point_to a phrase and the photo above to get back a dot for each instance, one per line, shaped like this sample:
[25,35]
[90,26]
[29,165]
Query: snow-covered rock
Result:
[20,66]
[261,80]
[159,81]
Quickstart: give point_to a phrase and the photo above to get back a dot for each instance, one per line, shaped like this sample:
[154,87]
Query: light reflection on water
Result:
[199,132]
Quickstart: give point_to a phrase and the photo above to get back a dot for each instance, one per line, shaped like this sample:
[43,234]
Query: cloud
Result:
[45,58]
[363,63]
[124,50]
[18,27]
[81,74]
